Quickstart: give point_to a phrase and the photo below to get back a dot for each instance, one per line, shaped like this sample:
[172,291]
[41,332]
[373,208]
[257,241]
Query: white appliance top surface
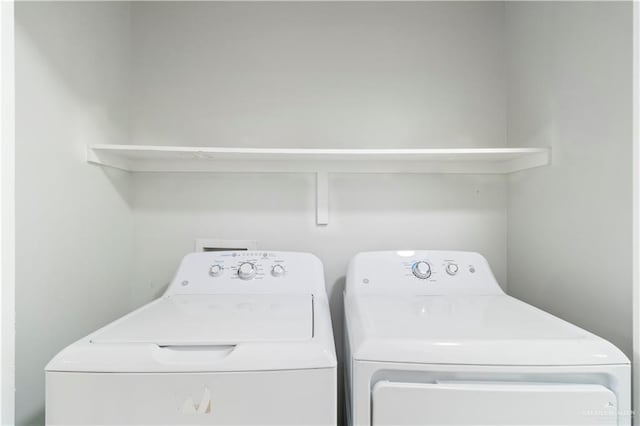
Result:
[492,329]
[196,320]
[454,318]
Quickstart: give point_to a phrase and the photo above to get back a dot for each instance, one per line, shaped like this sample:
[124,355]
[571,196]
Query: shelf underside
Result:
[144,158]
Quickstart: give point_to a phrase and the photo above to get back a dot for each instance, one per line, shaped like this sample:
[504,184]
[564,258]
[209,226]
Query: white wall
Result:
[570,86]
[369,212]
[317,75]
[73,221]
[7,212]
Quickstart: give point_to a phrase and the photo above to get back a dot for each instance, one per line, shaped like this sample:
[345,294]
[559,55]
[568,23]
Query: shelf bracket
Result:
[322,198]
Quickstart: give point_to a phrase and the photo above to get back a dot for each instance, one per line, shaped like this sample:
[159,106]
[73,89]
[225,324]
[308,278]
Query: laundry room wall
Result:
[74,233]
[309,74]
[317,75]
[570,87]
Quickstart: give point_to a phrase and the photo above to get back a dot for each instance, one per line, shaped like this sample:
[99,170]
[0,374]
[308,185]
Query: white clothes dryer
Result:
[432,339]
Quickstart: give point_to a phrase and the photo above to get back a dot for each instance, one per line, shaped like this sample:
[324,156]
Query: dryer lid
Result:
[495,330]
[198,320]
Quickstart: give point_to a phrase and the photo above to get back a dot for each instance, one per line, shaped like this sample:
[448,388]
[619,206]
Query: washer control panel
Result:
[248,272]
[421,272]
[248,266]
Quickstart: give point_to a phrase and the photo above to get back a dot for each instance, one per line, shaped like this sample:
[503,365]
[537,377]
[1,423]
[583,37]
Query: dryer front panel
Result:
[492,403]
[442,394]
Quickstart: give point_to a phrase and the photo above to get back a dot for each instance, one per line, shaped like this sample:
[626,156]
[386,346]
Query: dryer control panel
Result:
[421,272]
[251,272]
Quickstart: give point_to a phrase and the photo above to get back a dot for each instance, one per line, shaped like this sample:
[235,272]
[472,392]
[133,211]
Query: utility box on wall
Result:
[211,244]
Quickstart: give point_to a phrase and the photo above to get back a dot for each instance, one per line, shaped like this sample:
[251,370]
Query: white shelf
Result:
[146,158]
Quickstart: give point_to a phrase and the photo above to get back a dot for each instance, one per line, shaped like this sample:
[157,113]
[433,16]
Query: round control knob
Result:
[277,270]
[246,271]
[421,270]
[216,270]
[452,269]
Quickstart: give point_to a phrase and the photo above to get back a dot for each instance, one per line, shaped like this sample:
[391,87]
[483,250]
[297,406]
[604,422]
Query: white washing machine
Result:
[432,340]
[239,338]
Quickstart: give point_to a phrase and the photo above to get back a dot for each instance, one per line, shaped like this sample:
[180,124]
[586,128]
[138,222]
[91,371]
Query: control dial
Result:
[216,270]
[452,269]
[277,270]
[421,269]
[246,271]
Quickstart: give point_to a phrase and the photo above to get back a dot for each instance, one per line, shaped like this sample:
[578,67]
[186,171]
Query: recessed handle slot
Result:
[200,354]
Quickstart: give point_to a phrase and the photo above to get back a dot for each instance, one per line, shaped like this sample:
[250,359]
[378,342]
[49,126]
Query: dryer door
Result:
[492,403]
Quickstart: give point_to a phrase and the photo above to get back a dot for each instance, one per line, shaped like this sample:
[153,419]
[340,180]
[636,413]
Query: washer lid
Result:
[496,330]
[197,320]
